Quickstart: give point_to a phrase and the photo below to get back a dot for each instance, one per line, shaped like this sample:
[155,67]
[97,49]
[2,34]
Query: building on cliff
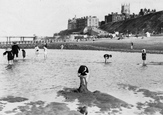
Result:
[125,14]
[146,11]
[115,17]
[88,21]
[87,25]
[72,23]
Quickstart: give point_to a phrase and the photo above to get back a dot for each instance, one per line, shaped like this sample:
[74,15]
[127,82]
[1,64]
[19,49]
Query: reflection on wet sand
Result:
[105,102]
[153,105]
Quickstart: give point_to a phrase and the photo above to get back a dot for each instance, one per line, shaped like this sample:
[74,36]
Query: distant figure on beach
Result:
[132,45]
[10,56]
[23,53]
[144,56]
[106,57]
[15,49]
[45,51]
[62,46]
[36,50]
[83,73]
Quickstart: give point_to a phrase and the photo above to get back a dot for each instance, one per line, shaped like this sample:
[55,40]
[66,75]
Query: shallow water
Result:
[38,79]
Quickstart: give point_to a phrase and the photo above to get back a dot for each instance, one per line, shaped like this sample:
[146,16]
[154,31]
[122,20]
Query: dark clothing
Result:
[46,45]
[10,55]
[15,50]
[143,56]
[83,70]
[15,54]
[23,53]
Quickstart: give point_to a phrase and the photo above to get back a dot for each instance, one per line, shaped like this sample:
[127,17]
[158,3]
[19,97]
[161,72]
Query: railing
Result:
[25,43]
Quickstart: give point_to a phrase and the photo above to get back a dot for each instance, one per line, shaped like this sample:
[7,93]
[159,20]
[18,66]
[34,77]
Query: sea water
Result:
[37,78]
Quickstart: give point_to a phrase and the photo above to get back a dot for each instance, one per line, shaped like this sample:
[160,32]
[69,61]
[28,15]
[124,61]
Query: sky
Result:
[46,17]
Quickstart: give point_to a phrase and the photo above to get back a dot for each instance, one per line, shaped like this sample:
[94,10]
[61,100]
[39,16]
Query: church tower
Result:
[125,9]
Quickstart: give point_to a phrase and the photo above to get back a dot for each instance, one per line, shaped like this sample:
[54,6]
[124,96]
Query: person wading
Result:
[45,51]
[106,57]
[83,74]
[144,56]
[10,56]
[15,49]
[132,45]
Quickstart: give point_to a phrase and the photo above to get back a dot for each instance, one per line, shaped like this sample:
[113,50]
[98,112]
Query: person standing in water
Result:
[45,51]
[83,74]
[62,46]
[144,56]
[15,49]
[106,57]
[36,50]
[10,56]
[132,45]
[23,53]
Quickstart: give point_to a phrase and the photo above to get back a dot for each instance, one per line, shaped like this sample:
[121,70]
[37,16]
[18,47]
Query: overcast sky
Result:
[46,17]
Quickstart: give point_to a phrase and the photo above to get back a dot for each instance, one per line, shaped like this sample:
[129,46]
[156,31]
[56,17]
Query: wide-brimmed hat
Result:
[144,50]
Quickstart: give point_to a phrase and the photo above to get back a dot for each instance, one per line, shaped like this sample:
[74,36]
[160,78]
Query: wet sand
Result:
[107,103]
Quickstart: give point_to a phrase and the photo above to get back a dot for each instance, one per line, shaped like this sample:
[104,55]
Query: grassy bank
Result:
[152,45]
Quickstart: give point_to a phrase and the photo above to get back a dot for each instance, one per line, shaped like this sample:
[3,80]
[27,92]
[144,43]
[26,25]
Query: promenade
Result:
[153,44]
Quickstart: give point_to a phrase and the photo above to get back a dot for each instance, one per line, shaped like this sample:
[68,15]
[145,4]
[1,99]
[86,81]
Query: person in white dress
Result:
[45,51]
[36,50]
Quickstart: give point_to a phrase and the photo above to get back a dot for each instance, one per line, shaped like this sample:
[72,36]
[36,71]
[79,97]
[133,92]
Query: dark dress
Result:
[143,56]
[10,55]
[15,50]
[23,53]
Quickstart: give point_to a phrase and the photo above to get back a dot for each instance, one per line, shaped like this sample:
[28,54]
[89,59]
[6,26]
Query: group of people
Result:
[107,56]
[13,52]
[83,72]
[45,50]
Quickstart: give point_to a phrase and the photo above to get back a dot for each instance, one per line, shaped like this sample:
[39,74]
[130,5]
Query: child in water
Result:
[36,50]
[144,56]
[132,45]
[106,57]
[45,51]
[23,53]
[10,56]
[83,73]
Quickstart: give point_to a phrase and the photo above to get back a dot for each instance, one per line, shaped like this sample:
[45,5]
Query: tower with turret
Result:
[125,9]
